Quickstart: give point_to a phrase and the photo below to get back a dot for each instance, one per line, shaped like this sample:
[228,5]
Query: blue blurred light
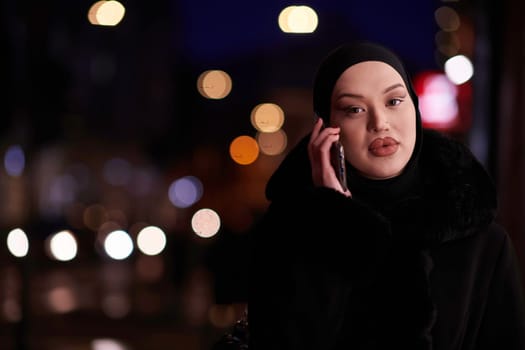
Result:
[185,191]
[14,161]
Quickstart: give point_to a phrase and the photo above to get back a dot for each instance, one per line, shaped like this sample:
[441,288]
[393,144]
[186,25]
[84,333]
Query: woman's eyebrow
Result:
[348,94]
[392,87]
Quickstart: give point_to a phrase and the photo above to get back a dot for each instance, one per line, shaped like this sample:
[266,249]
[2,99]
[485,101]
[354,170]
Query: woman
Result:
[409,256]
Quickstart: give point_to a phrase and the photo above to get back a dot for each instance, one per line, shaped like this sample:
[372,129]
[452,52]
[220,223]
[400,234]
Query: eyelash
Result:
[392,103]
[353,110]
[398,100]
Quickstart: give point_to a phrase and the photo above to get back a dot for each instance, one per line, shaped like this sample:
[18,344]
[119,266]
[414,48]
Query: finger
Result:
[320,160]
[314,135]
[317,127]
[324,149]
[324,134]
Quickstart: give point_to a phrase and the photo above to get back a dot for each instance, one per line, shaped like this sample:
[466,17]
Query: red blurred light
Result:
[444,106]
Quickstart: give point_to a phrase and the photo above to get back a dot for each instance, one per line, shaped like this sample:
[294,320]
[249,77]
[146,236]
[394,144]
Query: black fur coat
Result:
[438,273]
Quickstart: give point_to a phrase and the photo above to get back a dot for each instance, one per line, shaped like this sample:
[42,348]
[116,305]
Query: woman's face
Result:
[377,117]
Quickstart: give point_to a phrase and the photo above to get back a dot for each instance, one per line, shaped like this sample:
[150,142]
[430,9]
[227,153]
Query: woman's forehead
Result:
[371,74]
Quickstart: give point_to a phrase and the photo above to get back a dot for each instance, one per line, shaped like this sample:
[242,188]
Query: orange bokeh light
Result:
[244,150]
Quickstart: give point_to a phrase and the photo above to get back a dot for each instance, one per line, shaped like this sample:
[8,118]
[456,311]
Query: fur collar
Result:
[458,196]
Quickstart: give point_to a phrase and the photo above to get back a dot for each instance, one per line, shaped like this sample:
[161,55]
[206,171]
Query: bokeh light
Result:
[14,161]
[244,150]
[17,243]
[106,13]
[214,84]
[94,216]
[92,13]
[298,19]
[459,69]
[62,300]
[283,19]
[118,245]
[107,344]
[151,240]
[11,310]
[205,223]
[185,191]
[116,305]
[272,143]
[62,190]
[437,98]
[447,18]
[447,43]
[63,246]
[267,117]
[117,171]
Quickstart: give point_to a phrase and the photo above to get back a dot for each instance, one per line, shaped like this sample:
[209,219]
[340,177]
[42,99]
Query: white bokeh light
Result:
[118,245]
[63,246]
[17,243]
[205,223]
[110,13]
[151,240]
[459,69]
[298,19]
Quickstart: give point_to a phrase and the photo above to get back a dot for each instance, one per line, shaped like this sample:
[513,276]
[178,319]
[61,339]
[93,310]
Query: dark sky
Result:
[225,29]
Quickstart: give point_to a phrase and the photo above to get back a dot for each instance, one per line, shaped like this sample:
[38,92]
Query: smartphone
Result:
[337,157]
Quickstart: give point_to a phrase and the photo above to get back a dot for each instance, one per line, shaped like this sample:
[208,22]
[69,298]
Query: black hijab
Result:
[380,194]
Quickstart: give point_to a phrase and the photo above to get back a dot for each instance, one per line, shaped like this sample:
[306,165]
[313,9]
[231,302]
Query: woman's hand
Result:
[323,173]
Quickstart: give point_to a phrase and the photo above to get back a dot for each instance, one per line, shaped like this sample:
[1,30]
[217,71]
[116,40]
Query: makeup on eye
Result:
[351,110]
[394,102]
[354,109]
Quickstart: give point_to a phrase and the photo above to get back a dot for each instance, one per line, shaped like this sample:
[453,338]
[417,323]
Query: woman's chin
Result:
[381,174]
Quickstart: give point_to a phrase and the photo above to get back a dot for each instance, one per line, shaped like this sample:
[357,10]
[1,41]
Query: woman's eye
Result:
[354,109]
[394,101]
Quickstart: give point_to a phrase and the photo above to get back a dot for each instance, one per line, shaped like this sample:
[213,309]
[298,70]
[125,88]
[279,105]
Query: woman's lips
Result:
[383,146]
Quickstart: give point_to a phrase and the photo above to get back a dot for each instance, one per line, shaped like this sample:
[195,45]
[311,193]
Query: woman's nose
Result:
[378,121]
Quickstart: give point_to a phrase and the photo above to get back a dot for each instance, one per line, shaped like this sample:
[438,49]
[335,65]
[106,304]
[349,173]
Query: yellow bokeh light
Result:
[205,223]
[92,13]
[214,84]
[298,19]
[106,13]
[272,143]
[283,19]
[267,117]
[244,150]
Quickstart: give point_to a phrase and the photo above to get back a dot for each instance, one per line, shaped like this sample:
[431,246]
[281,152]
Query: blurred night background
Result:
[129,182]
